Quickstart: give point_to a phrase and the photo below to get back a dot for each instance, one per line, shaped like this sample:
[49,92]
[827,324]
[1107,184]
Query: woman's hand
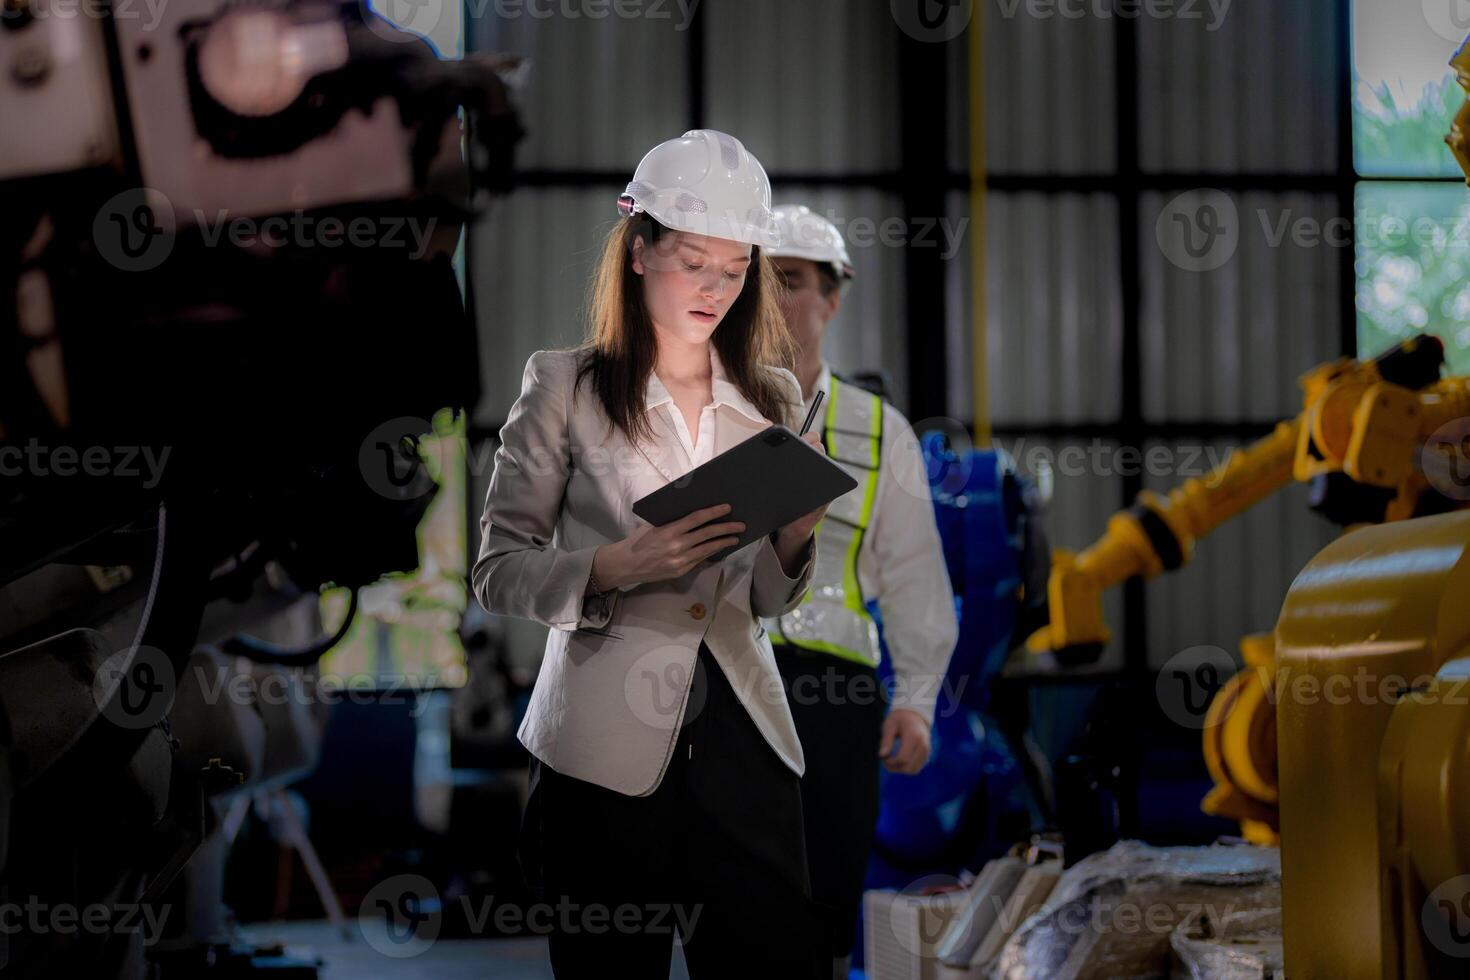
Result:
[791,539]
[652,554]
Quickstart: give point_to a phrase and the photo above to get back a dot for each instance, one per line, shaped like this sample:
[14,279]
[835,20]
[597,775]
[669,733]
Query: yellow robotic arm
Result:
[1157,534]
[1366,420]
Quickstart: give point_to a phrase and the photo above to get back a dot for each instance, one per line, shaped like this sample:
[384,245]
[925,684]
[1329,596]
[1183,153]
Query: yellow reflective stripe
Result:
[853,593]
[831,415]
[828,428]
[875,432]
[822,646]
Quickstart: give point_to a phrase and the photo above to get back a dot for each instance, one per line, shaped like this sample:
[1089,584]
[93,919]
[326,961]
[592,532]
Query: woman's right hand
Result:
[653,554]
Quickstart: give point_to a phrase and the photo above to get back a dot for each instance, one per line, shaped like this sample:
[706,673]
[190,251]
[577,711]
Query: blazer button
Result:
[697,610]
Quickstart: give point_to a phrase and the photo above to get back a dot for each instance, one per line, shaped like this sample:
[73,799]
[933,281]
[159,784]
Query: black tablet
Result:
[769,480]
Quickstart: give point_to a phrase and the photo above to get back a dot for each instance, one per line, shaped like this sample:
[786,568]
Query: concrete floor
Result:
[355,958]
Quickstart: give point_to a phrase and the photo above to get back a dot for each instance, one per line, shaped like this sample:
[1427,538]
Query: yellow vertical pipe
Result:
[981,381]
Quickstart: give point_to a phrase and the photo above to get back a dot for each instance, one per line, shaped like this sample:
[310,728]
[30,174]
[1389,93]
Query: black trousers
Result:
[838,706]
[715,854]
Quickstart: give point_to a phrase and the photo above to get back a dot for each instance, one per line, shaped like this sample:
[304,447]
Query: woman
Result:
[665,779]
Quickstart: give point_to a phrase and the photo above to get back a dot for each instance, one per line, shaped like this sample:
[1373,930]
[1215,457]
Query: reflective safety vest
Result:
[832,617]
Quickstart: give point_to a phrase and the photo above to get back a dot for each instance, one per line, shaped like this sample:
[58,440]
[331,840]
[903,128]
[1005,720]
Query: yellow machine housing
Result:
[1374,779]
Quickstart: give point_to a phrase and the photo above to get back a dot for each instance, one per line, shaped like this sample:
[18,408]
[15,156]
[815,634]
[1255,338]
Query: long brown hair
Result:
[622,348]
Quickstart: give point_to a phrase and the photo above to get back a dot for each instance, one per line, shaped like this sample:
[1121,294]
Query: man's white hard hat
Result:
[807,235]
[707,183]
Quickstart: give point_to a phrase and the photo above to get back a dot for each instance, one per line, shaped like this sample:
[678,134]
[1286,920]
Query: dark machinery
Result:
[227,305]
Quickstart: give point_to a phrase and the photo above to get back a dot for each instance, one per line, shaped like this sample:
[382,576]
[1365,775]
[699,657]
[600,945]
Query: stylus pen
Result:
[811,413]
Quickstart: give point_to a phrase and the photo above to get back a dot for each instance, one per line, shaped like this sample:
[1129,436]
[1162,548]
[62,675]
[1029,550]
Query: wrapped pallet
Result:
[1025,900]
[985,900]
[902,930]
[1111,915]
[1241,946]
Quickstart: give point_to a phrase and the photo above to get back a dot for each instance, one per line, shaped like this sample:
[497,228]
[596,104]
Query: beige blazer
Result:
[614,685]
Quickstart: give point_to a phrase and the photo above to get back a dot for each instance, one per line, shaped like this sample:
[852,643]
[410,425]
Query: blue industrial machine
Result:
[972,801]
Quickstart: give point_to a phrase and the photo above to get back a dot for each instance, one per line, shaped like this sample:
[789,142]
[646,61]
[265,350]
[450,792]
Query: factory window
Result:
[1413,224]
[1413,252]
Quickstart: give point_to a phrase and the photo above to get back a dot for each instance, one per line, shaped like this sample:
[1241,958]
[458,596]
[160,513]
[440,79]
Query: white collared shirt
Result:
[901,560]
[673,451]
[693,452]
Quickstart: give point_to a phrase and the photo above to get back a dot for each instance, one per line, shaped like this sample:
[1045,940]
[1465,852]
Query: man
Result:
[880,542]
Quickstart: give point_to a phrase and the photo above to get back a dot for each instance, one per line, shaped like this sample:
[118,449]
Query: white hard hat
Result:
[807,235]
[706,183]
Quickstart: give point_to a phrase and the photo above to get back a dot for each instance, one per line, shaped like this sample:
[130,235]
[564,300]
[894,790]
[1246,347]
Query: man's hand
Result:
[912,733]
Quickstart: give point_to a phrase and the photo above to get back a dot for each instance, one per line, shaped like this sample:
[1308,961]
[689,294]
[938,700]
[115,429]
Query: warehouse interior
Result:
[1172,297]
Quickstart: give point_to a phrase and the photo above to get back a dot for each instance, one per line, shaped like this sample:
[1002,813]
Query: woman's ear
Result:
[638,254]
